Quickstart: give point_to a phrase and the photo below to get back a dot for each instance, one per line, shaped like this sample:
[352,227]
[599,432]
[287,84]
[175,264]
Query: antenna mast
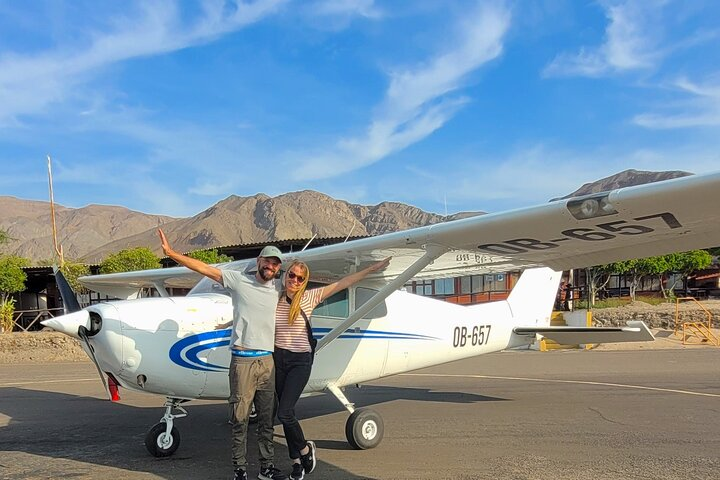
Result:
[58,248]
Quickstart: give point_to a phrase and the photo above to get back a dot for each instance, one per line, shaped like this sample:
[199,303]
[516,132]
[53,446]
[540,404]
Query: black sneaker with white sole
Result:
[309,460]
[298,472]
[240,474]
[271,473]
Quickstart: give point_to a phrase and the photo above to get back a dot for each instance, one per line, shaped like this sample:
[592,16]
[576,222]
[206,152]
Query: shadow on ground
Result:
[54,434]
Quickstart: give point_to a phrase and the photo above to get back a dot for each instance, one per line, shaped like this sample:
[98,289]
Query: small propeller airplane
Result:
[170,346]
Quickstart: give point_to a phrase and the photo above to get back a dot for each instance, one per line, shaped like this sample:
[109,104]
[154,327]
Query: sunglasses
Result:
[294,276]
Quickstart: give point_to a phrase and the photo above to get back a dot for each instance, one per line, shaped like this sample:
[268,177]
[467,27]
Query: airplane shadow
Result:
[79,434]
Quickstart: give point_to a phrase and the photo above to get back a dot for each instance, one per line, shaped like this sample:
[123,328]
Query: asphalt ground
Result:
[512,415]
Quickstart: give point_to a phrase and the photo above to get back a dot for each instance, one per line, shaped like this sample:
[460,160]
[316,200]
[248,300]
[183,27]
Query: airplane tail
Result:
[531,300]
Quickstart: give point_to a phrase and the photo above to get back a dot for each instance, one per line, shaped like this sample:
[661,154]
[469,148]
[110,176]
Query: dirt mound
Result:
[658,316]
[40,347]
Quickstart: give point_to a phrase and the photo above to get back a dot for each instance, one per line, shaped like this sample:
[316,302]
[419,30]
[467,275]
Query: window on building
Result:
[445,286]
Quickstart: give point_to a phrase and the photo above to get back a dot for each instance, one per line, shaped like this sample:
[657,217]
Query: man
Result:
[252,373]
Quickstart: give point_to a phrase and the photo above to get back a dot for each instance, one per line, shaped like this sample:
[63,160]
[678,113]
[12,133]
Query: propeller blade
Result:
[83,334]
[70,303]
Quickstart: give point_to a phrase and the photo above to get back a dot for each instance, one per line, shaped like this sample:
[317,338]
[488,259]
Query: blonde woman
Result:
[294,354]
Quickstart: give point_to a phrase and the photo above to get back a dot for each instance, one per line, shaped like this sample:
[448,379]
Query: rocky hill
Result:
[80,230]
[626,178]
[91,233]
[261,218]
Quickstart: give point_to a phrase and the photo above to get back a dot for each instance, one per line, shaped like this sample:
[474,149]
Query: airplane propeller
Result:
[75,315]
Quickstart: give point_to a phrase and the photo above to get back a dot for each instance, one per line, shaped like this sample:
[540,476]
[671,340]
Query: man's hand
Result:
[164,243]
[382,264]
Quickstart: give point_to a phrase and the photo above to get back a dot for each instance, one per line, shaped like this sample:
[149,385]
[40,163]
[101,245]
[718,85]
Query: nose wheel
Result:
[164,438]
[159,442]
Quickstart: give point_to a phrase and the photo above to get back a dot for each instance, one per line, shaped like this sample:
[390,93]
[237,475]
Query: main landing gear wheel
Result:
[364,429]
[159,442]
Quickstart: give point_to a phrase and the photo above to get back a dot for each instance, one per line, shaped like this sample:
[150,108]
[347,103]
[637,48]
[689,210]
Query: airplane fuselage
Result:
[172,347]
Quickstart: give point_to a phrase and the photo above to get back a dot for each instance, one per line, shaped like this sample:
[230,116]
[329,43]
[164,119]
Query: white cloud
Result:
[417,102]
[631,43]
[346,8]
[28,84]
[702,109]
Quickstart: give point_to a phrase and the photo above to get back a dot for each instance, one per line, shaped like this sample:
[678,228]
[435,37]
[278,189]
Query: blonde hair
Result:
[295,304]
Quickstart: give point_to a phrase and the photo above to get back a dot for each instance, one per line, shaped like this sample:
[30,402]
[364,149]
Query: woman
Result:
[293,353]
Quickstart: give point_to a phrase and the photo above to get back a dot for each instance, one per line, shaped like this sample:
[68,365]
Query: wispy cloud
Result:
[631,43]
[29,83]
[700,107]
[418,100]
[345,8]
[533,175]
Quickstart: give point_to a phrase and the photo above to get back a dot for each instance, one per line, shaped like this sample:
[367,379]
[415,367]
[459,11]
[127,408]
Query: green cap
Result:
[271,251]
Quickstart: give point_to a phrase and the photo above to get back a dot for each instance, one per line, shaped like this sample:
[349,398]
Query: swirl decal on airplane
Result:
[186,352]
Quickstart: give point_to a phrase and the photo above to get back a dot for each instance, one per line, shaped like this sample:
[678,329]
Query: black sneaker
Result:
[271,473]
[309,460]
[240,474]
[298,472]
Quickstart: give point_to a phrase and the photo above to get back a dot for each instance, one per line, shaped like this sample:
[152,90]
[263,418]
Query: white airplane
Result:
[169,346]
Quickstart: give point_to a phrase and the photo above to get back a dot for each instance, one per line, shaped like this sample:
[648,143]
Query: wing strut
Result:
[431,253]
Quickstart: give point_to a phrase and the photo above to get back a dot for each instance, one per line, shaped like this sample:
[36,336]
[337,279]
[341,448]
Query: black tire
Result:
[157,443]
[364,429]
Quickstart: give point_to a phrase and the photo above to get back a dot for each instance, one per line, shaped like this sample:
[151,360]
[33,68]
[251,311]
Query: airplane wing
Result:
[633,222]
[127,284]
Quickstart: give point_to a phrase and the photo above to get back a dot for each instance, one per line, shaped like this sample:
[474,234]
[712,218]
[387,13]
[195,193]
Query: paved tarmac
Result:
[512,415]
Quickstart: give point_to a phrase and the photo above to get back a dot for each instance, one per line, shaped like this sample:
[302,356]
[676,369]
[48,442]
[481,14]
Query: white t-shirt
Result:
[254,306]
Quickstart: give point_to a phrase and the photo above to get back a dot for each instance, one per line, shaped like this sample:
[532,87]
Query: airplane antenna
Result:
[308,242]
[351,230]
[58,248]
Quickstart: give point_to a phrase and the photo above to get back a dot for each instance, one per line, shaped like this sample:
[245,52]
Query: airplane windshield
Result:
[208,286]
[205,285]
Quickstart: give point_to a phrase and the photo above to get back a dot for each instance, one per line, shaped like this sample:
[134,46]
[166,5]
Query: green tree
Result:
[210,256]
[636,269]
[597,277]
[129,260]
[686,263]
[72,271]
[4,237]
[12,280]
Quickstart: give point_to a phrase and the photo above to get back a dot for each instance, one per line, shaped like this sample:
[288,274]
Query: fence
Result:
[26,319]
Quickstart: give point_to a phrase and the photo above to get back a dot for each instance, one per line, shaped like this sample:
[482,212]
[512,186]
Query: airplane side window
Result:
[335,306]
[362,295]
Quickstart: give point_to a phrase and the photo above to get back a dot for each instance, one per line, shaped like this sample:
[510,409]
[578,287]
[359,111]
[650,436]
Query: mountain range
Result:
[92,232]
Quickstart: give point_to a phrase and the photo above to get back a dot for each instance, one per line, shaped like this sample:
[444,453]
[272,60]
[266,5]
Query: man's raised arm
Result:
[199,266]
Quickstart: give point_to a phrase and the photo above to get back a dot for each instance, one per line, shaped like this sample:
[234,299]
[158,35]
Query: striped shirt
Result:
[294,337]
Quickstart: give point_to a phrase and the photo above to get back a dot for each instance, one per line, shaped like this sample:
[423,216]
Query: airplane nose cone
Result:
[68,324]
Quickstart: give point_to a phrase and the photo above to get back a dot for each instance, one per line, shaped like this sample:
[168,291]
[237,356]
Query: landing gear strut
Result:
[164,438]
[364,428]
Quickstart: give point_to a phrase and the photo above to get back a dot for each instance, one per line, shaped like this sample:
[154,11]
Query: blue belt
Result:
[250,353]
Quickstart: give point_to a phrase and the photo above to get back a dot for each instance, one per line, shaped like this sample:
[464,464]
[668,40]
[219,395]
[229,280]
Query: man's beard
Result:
[267,274]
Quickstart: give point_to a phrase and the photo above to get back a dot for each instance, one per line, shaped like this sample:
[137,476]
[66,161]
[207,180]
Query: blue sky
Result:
[170,106]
